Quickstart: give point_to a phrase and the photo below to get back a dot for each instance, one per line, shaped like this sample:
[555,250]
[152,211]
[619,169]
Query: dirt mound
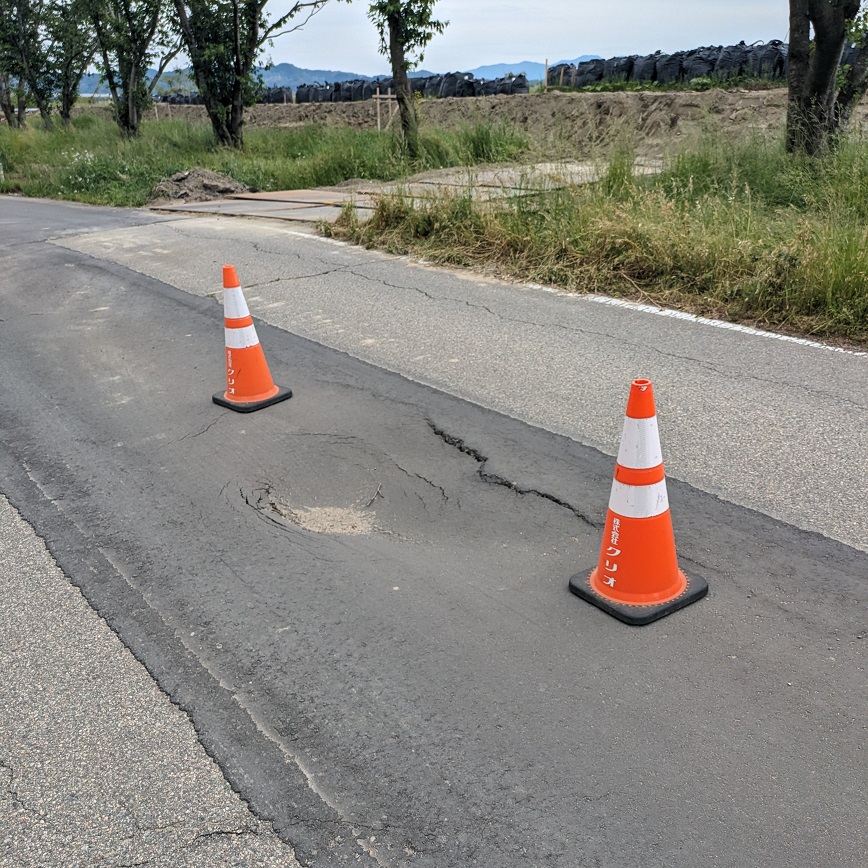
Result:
[195,185]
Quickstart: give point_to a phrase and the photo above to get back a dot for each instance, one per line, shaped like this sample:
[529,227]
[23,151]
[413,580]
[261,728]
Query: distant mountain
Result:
[90,85]
[289,75]
[180,80]
[580,59]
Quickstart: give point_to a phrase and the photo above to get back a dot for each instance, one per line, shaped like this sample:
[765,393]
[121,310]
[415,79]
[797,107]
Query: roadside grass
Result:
[91,163]
[741,231]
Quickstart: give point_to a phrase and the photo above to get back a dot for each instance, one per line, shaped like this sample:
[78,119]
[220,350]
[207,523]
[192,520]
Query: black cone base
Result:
[250,406]
[696,589]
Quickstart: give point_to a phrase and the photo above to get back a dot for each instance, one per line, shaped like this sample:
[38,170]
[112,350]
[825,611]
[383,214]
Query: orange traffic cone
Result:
[249,385]
[637,577]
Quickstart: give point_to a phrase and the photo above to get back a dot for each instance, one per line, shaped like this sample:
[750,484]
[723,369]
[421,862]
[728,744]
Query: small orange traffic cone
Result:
[637,577]
[249,385]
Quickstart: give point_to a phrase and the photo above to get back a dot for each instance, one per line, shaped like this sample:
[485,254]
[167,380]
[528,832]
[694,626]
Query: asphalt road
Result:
[421,688]
[777,426]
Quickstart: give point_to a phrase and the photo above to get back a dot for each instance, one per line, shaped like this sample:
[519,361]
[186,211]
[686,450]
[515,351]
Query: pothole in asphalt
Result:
[337,520]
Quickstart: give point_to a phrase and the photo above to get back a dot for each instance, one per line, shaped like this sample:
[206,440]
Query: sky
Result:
[482,32]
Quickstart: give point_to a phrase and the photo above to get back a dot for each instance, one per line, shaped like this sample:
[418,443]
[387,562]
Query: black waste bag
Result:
[731,61]
[457,84]
[432,85]
[562,75]
[645,68]
[618,68]
[771,59]
[519,84]
[700,63]
[504,85]
[669,69]
[589,72]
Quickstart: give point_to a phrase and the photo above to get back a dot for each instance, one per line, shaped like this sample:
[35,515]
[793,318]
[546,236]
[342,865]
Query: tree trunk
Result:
[6,104]
[68,97]
[403,91]
[222,130]
[68,94]
[22,105]
[811,117]
[33,85]
[45,113]
[131,124]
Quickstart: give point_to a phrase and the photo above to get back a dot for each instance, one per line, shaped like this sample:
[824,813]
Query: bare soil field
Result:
[560,124]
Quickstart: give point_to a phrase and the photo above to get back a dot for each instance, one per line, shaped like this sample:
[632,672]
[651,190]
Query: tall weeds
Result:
[743,231]
[91,163]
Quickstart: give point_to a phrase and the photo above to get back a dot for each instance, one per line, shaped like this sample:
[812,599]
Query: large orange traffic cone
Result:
[249,385]
[637,577]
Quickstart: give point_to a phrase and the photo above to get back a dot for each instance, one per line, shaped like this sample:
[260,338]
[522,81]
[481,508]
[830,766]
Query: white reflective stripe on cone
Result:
[234,305]
[640,444]
[238,339]
[638,501]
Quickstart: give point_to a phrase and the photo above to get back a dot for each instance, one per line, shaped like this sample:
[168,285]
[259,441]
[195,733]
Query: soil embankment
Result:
[560,124]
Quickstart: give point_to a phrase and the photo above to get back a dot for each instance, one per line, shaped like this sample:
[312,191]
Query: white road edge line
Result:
[714,323]
[646,308]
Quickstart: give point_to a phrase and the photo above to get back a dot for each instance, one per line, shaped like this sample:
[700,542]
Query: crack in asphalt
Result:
[494,479]
[11,791]
[192,434]
[434,485]
[330,270]
[224,833]
[383,282]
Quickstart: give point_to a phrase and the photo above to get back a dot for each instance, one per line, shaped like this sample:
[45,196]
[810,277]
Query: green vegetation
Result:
[741,231]
[90,163]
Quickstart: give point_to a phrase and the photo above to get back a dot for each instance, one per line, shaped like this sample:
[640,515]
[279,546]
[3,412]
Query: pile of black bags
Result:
[764,60]
[450,85]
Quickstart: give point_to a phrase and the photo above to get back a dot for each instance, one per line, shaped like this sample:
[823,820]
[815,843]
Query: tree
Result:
[8,71]
[47,46]
[6,93]
[822,95]
[72,49]
[26,47]
[130,34]
[223,40]
[405,27]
